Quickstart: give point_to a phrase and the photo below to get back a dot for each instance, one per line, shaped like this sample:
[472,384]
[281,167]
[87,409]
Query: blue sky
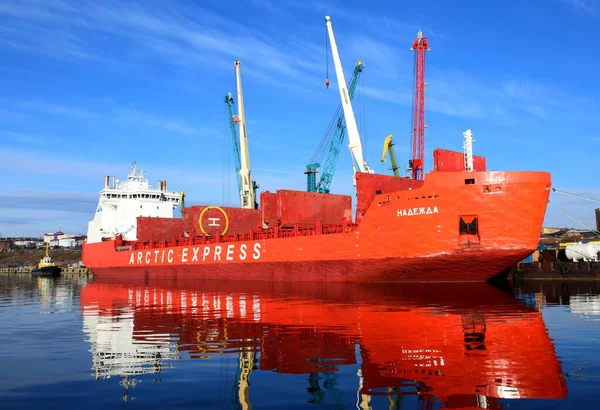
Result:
[88,87]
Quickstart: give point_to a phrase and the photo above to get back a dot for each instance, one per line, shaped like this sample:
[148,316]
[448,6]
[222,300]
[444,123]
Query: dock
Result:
[556,270]
[64,271]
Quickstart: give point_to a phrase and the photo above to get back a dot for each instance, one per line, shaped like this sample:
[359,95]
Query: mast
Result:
[351,127]
[418,144]
[388,145]
[468,150]
[247,192]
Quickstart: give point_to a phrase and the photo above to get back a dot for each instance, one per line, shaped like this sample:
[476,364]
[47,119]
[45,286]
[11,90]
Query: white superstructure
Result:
[118,351]
[121,202]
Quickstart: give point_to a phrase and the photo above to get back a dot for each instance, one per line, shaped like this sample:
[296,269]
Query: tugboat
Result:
[46,268]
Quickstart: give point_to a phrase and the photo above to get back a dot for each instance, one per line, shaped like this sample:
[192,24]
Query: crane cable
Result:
[573,218]
[326,58]
[324,145]
[575,195]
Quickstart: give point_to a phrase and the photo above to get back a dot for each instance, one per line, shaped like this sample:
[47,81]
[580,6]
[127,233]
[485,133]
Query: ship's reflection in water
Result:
[458,345]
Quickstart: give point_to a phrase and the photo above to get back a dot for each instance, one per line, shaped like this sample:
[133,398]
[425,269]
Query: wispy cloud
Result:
[32,212]
[32,162]
[583,6]
[457,93]
[64,201]
[11,116]
[24,138]
[17,222]
[117,114]
[388,95]
[49,108]
[169,35]
[386,26]
[537,111]
[156,31]
[544,101]
[380,58]
[456,108]
[137,117]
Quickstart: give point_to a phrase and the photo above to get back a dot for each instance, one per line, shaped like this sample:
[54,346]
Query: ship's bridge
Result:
[121,202]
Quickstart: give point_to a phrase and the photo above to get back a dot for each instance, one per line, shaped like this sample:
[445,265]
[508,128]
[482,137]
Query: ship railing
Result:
[252,235]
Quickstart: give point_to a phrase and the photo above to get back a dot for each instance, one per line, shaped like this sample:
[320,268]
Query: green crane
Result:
[331,143]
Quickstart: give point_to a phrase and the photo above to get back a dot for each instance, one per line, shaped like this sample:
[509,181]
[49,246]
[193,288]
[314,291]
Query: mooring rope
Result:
[578,196]
[573,218]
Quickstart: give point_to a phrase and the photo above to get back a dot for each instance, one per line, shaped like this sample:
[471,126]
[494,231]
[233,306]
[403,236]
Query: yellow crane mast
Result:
[388,145]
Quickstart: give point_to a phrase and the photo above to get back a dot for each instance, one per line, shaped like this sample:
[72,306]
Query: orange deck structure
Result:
[452,226]
[464,344]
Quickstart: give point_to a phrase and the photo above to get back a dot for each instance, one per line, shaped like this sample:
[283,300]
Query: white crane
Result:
[351,127]
[247,193]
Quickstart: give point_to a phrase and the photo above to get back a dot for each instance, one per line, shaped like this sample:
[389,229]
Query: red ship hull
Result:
[455,227]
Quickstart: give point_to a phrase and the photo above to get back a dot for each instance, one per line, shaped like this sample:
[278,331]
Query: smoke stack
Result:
[106,181]
[598,219]
[163,186]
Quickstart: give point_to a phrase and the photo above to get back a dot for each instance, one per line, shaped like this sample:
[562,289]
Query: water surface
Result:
[192,344]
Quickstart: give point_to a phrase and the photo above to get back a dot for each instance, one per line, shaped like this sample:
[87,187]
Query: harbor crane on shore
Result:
[246,185]
[331,143]
[388,145]
[354,145]
[417,163]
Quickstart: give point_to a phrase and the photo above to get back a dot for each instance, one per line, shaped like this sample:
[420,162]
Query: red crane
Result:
[418,143]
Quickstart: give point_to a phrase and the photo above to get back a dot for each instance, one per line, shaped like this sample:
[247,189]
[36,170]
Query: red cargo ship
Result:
[451,226]
[458,223]
[465,345]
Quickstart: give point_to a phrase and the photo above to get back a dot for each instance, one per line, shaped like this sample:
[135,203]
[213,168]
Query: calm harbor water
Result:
[104,344]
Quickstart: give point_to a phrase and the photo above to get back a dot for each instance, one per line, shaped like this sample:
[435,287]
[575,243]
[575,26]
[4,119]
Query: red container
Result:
[306,208]
[368,186]
[453,161]
[156,229]
[209,220]
[268,207]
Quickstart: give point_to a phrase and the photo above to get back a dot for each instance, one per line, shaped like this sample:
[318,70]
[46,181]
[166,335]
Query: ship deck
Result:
[252,235]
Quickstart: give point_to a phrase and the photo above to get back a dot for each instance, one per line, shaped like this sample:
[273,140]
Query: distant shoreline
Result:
[20,257]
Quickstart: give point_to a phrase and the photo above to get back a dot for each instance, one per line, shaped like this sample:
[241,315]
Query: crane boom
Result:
[332,141]
[233,119]
[351,127]
[388,145]
[247,193]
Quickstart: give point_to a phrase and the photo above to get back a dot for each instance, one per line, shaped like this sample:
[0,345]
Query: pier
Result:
[64,271]
[556,270]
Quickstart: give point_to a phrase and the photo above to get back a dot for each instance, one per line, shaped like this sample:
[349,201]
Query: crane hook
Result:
[327,82]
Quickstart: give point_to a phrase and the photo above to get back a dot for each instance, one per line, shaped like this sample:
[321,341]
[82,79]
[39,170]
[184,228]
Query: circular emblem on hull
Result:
[213,219]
